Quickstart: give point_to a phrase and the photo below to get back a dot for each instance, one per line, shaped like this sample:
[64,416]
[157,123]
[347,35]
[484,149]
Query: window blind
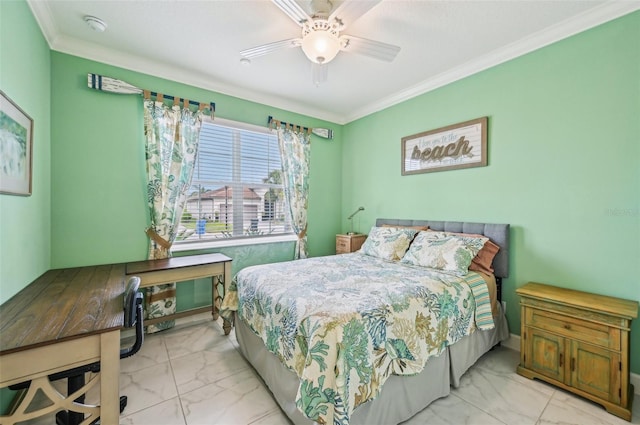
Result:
[236,190]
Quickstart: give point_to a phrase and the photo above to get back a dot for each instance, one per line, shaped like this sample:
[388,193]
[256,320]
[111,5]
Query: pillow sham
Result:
[388,243]
[483,261]
[445,252]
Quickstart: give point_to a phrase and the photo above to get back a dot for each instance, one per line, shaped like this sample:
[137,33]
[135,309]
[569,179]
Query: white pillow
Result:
[388,243]
[444,251]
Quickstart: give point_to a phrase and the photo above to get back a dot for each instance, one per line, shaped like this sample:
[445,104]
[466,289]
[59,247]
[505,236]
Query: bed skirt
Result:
[464,353]
[401,396]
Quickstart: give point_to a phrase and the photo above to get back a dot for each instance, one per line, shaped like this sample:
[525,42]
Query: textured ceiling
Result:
[197,42]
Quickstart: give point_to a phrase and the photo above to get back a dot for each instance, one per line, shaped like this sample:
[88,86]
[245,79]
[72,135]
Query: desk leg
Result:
[226,325]
[215,297]
[110,377]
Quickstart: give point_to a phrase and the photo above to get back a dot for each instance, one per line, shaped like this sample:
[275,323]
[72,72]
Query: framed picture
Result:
[16,142]
[462,145]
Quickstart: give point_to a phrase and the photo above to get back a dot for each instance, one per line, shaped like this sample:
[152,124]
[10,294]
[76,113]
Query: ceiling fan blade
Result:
[264,49]
[374,49]
[293,11]
[350,10]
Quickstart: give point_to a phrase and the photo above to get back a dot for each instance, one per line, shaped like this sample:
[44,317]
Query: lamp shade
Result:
[320,46]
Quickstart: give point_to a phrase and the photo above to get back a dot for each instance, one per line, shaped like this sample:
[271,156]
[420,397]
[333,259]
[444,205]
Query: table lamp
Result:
[351,232]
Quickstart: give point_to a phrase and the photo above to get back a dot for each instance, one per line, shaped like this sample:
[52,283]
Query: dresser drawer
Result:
[593,333]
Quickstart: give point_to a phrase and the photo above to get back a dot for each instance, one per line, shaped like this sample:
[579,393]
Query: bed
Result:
[415,332]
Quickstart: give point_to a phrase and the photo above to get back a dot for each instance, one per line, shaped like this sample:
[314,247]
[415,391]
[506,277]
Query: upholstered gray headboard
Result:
[498,233]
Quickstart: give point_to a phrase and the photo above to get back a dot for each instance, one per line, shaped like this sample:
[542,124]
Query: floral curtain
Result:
[171,143]
[295,147]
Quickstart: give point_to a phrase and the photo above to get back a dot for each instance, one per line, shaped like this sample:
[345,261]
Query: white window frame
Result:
[191,245]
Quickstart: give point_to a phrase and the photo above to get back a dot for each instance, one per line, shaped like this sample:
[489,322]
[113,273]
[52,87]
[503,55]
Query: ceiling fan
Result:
[321,40]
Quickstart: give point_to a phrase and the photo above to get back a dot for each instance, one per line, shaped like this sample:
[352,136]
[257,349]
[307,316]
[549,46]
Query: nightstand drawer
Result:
[349,243]
[342,245]
[593,333]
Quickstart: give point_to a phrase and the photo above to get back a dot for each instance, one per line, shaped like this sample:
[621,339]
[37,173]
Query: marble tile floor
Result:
[194,375]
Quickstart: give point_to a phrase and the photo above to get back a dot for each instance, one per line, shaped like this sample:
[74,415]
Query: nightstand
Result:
[349,243]
[579,342]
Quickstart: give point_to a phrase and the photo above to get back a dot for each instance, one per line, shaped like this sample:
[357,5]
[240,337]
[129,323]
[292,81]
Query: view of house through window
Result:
[236,190]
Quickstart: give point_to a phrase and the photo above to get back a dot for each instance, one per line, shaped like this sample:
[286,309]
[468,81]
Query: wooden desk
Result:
[180,269]
[64,319]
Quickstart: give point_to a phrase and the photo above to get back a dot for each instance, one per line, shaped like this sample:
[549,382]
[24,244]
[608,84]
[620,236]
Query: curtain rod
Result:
[108,84]
[322,132]
[271,120]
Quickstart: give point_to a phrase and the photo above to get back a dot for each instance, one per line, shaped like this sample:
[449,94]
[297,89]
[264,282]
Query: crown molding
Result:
[589,19]
[582,22]
[95,52]
[44,18]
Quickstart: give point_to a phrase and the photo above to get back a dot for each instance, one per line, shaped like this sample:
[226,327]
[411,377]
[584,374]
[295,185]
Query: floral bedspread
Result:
[345,323]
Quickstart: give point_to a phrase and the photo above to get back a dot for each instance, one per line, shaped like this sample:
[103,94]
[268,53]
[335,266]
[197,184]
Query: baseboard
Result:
[514,344]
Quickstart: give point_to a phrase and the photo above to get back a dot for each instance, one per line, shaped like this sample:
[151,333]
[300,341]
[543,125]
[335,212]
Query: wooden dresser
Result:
[349,243]
[579,342]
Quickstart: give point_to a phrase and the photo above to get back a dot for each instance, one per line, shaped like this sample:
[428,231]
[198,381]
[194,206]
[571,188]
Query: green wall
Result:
[25,224]
[24,221]
[98,209]
[563,169]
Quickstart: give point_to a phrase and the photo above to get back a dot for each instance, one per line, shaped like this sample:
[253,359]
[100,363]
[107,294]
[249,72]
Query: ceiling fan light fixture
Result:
[320,46]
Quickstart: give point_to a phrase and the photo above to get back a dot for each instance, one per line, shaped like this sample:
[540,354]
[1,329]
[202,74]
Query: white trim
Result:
[95,52]
[225,243]
[514,344]
[589,19]
[42,13]
[238,125]
[635,381]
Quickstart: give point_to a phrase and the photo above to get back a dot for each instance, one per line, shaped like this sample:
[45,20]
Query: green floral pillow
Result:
[388,243]
[444,251]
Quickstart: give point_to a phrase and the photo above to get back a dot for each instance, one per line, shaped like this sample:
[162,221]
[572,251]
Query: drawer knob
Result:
[567,326]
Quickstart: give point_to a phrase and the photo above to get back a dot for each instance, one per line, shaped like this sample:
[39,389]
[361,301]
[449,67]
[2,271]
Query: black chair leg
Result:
[61,418]
[74,383]
[75,418]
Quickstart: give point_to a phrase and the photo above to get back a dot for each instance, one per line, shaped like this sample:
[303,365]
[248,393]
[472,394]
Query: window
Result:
[236,190]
